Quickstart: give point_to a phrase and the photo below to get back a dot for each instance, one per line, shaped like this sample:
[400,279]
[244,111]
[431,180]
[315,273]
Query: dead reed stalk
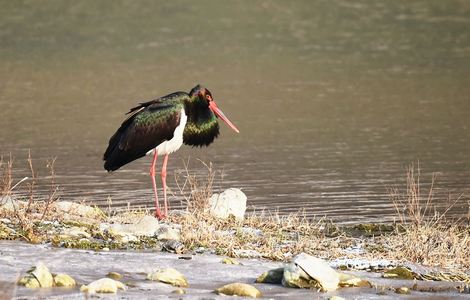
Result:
[426,236]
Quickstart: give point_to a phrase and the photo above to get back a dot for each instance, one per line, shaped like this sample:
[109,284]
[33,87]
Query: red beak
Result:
[221,115]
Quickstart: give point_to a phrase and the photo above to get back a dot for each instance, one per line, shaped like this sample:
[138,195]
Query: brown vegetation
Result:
[422,233]
[427,236]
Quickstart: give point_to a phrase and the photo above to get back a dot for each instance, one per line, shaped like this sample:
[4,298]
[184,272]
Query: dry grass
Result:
[423,233]
[272,235]
[426,236]
[196,191]
[31,207]
[7,179]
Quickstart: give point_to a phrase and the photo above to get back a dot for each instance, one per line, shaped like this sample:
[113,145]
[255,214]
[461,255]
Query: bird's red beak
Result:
[221,115]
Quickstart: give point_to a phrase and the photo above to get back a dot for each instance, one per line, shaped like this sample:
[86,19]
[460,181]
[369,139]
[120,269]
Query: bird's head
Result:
[205,96]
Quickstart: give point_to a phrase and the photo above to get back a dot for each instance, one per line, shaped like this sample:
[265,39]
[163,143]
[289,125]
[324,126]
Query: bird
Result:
[160,127]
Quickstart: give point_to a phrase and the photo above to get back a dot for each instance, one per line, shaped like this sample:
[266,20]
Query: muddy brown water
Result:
[334,99]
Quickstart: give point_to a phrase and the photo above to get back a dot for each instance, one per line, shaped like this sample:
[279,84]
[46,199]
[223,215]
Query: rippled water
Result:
[333,99]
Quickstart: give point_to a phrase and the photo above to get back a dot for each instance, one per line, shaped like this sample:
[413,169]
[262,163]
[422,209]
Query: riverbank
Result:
[258,235]
[204,272]
[429,247]
[134,242]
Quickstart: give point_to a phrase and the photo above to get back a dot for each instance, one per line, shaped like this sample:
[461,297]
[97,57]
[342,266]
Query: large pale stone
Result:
[295,277]
[103,285]
[319,270]
[38,277]
[231,202]
[239,289]
[145,226]
[170,276]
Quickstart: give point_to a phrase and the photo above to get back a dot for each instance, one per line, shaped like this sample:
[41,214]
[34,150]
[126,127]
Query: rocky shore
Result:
[81,250]
[205,273]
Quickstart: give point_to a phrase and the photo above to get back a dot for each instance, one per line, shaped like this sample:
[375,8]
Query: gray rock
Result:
[200,250]
[145,226]
[173,246]
[231,202]
[295,277]
[8,203]
[318,270]
[224,233]
[53,223]
[38,277]
[75,232]
[363,264]
[127,238]
[166,232]
[272,276]
[5,221]
[78,209]
[251,231]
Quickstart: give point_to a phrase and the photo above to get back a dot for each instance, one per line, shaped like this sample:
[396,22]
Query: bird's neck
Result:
[197,110]
[202,127]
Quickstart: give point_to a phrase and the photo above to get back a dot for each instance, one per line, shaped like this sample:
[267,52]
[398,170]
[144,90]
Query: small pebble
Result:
[200,250]
[114,275]
[185,257]
[64,280]
[230,261]
[402,290]
[239,289]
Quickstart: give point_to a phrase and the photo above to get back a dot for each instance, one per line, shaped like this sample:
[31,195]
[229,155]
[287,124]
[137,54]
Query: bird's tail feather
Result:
[115,157]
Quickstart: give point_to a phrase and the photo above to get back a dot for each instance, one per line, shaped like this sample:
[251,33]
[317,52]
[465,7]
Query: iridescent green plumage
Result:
[154,122]
[160,127]
[201,133]
[202,126]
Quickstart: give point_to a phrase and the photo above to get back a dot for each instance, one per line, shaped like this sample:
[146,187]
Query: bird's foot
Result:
[159,215]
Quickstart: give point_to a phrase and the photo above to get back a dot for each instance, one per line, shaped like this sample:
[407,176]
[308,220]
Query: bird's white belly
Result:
[175,143]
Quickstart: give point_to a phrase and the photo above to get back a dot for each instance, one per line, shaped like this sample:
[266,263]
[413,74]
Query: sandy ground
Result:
[204,272]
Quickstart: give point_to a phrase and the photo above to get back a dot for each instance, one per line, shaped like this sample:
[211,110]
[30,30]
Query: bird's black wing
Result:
[147,126]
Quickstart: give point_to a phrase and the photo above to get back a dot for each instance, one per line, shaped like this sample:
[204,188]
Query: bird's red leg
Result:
[158,213]
[165,162]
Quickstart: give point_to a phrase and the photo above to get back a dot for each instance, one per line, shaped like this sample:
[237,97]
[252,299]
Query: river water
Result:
[334,99]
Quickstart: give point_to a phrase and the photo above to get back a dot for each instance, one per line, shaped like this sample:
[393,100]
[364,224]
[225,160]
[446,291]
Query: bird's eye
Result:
[209,98]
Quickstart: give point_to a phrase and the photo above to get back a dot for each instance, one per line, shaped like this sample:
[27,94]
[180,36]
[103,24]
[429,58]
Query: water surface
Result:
[333,99]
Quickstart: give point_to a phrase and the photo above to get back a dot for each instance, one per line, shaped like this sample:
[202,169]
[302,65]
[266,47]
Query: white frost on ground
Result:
[204,273]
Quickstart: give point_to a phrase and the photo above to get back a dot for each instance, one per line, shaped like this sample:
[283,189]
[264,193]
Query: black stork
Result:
[160,127]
